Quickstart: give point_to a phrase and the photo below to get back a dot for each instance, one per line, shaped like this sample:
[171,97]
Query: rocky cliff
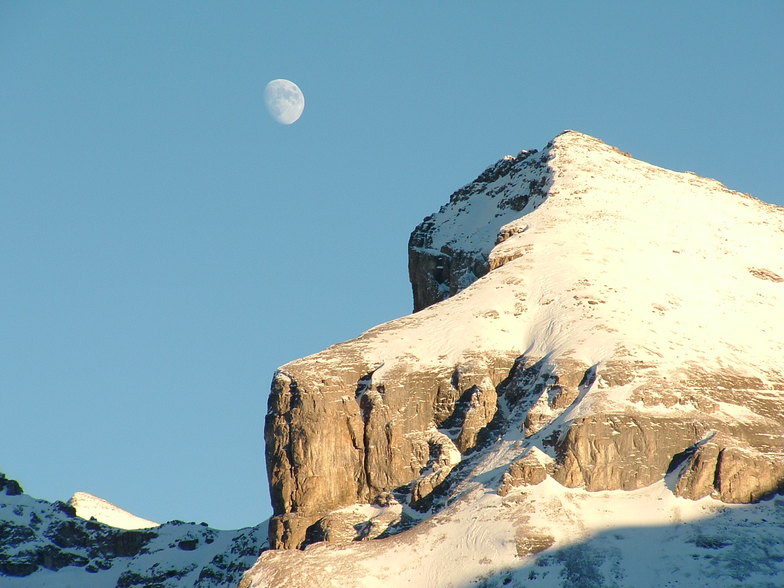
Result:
[583,319]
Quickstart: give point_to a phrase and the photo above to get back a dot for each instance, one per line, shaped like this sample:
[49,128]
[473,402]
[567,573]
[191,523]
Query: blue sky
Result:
[164,245]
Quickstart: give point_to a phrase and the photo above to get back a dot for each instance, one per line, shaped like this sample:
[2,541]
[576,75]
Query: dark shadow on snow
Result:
[741,546]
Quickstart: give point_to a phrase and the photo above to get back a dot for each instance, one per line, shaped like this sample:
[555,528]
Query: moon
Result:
[285,101]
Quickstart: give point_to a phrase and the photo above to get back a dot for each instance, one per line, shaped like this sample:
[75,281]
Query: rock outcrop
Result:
[611,315]
[528,470]
[449,250]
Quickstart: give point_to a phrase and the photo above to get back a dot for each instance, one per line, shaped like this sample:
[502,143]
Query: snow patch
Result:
[89,506]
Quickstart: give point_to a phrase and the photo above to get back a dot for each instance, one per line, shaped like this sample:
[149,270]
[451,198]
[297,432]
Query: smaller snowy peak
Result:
[46,545]
[88,506]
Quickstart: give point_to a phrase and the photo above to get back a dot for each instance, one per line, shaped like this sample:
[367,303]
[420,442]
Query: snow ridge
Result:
[46,545]
[89,507]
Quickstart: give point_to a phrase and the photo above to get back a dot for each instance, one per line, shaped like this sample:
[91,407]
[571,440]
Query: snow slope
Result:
[88,506]
[644,538]
[675,270]
[666,268]
[46,545]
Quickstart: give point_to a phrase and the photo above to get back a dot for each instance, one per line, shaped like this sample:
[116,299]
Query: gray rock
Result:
[526,471]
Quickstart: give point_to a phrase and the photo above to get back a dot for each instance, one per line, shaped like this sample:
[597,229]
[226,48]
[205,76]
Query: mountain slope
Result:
[45,544]
[550,536]
[88,506]
[585,321]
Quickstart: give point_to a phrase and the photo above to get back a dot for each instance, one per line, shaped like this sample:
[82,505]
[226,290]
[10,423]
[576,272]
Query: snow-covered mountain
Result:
[588,394]
[88,506]
[50,545]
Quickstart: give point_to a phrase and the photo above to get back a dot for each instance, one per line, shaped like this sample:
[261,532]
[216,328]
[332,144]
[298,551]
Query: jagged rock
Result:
[621,452]
[382,436]
[482,405]
[334,529]
[354,524]
[744,475]
[529,470]
[698,477]
[732,474]
[290,530]
[442,261]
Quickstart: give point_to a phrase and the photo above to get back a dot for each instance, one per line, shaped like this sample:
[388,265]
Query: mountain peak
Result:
[583,179]
[88,506]
[91,543]
[452,248]
[573,304]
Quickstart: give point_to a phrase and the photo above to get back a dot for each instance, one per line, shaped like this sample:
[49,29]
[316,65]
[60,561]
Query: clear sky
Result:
[165,245]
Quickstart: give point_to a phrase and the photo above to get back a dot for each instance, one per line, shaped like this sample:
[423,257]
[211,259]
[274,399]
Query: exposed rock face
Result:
[613,451]
[446,257]
[612,315]
[528,470]
[733,474]
[9,487]
[380,437]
